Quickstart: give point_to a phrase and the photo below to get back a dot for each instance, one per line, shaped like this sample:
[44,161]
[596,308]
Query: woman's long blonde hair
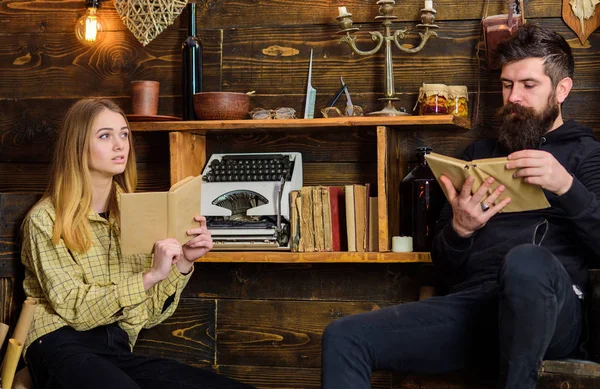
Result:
[70,186]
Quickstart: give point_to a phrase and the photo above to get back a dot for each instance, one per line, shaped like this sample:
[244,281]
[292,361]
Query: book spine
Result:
[350,223]
[327,220]
[294,221]
[338,218]
[318,224]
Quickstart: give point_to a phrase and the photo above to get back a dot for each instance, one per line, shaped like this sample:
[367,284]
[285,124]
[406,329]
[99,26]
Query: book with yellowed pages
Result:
[151,216]
[523,196]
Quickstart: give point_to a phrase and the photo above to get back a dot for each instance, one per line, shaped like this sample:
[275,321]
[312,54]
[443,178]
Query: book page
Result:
[524,197]
[184,200]
[454,169]
[143,221]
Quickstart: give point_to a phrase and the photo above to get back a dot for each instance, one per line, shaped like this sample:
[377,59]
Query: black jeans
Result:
[101,358]
[531,313]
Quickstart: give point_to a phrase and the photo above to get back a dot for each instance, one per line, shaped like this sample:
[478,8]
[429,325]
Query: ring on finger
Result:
[484,206]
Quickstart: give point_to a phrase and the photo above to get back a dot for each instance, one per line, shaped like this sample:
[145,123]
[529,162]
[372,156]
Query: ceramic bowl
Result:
[221,105]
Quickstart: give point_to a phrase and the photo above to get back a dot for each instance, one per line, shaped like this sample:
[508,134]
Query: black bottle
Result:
[191,71]
[421,200]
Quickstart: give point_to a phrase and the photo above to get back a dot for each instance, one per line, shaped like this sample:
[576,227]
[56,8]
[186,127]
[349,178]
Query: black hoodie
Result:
[570,228]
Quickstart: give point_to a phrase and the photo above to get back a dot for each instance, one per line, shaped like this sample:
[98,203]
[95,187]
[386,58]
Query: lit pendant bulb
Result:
[88,28]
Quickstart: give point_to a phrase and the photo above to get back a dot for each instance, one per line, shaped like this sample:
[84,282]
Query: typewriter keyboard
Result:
[249,167]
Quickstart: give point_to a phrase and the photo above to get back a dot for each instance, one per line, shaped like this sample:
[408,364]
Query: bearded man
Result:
[521,276]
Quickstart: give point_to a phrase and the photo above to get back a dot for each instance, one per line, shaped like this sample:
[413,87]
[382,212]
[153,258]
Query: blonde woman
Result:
[93,301]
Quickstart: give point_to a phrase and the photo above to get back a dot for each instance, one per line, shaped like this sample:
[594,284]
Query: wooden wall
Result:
[259,322]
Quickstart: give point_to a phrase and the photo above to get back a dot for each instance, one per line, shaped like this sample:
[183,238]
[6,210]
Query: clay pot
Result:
[221,105]
[144,97]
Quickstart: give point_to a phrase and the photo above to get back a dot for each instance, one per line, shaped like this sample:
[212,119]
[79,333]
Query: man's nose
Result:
[515,95]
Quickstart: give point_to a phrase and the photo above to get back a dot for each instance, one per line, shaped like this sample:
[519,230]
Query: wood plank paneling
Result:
[278,377]
[13,208]
[292,378]
[315,282]
[30,138]
[25,16]
[560,381]
[187,336]
[33,177]
[276,333]
[8,302]
[57,64]
[351,145]
[245,67]
[45,64]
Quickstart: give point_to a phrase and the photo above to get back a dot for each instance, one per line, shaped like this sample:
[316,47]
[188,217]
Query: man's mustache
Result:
[512,111]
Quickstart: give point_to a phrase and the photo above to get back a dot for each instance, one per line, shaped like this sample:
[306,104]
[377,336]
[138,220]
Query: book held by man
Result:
[524,196]
[151,216]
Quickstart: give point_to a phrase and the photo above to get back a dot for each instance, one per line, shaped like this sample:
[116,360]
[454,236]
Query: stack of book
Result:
[333,218]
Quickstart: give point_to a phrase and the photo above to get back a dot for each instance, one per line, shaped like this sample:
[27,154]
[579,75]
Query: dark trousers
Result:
[101,358]
[531,313]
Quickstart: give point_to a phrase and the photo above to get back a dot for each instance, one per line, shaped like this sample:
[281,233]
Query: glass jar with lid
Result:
[433,99]
[458,101]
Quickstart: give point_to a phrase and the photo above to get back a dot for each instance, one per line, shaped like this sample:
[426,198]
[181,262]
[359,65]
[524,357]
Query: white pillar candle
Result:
[428,4]
[402,244]
[342,11]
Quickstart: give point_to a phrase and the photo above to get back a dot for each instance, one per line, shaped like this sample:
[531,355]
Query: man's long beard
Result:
[522,127]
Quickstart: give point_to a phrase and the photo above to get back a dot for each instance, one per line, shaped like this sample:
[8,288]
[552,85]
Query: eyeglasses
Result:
[334,112]
[277,113]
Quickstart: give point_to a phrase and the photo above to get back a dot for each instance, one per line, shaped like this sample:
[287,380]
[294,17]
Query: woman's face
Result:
[109,145]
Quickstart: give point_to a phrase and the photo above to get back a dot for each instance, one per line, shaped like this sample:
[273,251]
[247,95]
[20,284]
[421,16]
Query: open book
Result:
[523,196]
[151,216]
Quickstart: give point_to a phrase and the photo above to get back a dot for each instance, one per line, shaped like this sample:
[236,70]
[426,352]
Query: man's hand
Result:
[539,167]
[197,247]
[468,210]
[166,252]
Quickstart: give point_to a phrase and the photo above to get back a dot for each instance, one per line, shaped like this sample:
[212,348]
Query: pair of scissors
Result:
[343,89]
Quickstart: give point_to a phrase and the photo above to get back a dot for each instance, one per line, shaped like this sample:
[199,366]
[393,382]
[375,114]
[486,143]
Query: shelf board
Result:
[208,126]
[318,257]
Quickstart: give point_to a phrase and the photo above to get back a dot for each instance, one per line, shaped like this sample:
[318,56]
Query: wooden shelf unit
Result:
[187,147]
[320,257]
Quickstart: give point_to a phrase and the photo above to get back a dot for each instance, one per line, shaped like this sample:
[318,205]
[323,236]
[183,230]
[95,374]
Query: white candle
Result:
[342,11]
[402,244]
[428,4]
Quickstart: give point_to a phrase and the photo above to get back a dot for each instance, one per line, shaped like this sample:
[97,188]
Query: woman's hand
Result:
[196,247]
[165,253]
[470,213]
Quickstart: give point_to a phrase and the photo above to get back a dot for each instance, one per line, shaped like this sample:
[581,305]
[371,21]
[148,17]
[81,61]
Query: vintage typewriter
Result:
[245,199]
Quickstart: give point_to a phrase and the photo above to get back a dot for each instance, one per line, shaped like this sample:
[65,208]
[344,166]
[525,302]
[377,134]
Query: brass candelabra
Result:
[386,9]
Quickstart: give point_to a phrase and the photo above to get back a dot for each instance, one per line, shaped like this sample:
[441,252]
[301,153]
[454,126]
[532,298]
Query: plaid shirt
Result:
[96,288]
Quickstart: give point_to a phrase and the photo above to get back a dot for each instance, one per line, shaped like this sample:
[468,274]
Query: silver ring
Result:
[484,206]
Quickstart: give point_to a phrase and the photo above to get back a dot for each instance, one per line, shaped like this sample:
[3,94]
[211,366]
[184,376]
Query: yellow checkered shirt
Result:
[92,289]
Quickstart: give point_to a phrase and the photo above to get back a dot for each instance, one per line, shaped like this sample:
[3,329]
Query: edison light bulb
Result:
[88,28]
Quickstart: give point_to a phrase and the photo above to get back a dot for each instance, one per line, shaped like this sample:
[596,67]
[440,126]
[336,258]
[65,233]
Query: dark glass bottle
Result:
[191,71]
[421,200]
